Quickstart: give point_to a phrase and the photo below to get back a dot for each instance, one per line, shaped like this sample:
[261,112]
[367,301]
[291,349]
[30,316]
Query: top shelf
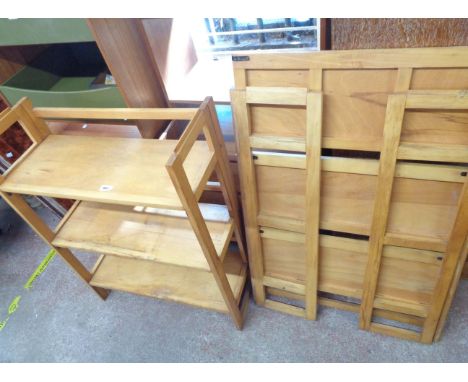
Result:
[108,170]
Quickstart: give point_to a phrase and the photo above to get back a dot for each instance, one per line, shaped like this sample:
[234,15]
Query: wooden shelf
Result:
[169,282]
[77,167]
[144,233]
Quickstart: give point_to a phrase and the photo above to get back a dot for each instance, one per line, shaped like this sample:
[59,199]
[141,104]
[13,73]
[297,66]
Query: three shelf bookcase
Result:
[136,205]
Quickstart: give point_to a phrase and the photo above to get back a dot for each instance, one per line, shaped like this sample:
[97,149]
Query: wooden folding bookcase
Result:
[353,167]
[136,204]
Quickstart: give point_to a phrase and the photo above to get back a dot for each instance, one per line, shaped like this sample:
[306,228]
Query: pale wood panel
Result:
[149,234]
[169,282]
[435,127]
[355,102]
[76,167]
[423,207]
[403,281]
[341,270]
[407,281]
[440,78]
[346,199]
[280,121]
[285,78]
[276,95]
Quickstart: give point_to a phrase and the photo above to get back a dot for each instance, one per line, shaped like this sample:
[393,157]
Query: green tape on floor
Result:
[41,268]
[15,303]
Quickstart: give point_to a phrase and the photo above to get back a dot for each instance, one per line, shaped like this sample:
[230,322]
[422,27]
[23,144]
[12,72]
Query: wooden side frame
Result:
[204,121]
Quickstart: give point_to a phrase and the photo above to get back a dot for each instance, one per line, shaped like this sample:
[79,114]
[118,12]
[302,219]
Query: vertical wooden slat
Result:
[453,288]
[40,124]
[240,78]
[392,131]
[452,256]
[403,81]
[225,176]
[315,79]
[313,153]
[249,192]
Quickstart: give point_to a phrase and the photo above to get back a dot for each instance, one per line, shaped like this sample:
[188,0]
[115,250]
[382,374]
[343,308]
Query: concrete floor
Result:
[61,320]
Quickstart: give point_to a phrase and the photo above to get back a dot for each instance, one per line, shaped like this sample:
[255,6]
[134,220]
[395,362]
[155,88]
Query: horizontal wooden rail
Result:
[114,113]
[423,171]
[276,95]
[437,100]
[452,57]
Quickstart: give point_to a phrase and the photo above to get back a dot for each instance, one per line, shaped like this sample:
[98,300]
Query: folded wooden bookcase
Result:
[353,167]
[136,204]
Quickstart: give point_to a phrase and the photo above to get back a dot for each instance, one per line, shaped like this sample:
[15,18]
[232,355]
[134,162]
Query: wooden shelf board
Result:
[153,234]
[169,282]
[76,167]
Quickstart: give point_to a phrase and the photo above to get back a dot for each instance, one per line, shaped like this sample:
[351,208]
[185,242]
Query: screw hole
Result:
[464,173]
[254,157]
[439,257]
[261,230]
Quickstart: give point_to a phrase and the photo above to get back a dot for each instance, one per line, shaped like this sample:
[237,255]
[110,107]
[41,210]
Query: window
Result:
[228,35]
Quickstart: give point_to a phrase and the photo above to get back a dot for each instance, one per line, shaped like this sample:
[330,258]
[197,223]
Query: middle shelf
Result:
[164,236]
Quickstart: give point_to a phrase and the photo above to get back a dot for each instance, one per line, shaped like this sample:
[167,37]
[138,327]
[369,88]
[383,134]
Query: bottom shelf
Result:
[170,282]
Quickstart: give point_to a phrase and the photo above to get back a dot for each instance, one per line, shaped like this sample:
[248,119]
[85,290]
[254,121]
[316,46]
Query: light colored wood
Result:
[239,78]
[392,130]
[276,95]
[409,241]
[175,168]
[454,252]
[114,113]
[461,266]
[249,200]
[150,234]
[285,285]
[277,143]
[7,118]
[424,171]
[225,176]
[67,216]
[312,220]
[315,80]
[433,152]
[403,80]
[411,254]
[395,332]
[418,210]
[23,209]
[97,161]
[452,57]
[401,306]
[439,127]
[169,282]
[437,100]
[285,308]
[443,173]
[350,307]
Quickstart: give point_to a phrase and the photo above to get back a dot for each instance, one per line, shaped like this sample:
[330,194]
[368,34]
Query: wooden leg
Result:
[23,209]
[313,152]
[182,186]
